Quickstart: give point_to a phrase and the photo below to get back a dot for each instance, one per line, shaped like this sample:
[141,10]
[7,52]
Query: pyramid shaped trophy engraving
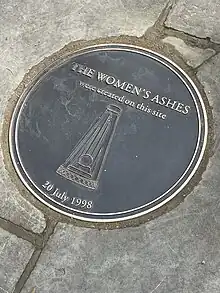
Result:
[85,163]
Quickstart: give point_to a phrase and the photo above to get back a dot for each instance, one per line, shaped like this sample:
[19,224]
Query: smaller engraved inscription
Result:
[111,133]
[85,163]
[63,197]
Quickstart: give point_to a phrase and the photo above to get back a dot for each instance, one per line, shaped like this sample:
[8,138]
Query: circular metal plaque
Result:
[110,133]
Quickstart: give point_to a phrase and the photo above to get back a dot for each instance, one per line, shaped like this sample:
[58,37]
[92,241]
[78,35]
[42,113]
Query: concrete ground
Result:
[178,252]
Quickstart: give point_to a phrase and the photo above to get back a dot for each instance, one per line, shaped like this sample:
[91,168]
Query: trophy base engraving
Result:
[77,178]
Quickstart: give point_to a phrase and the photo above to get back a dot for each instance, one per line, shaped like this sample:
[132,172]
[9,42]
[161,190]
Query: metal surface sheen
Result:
[112,133]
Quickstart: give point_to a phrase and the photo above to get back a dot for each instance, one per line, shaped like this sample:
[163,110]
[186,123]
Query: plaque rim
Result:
[203,127]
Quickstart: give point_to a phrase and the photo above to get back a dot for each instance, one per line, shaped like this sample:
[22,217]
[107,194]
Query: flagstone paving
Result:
[177,252]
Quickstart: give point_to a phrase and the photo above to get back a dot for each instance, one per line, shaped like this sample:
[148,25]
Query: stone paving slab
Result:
[178,253]
[14,255]
[193,56]
[209,76]
[200,18]
[15,208]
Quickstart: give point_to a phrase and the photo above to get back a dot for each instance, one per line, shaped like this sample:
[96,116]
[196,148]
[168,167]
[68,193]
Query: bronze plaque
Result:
[111,133]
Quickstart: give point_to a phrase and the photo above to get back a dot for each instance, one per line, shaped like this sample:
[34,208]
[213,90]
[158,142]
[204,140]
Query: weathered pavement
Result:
[177,252]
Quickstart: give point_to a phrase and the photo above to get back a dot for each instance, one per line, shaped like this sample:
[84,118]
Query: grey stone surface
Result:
[192,55]
[210,79]
[14,255]
[15,208]
[197,17]
[31,30]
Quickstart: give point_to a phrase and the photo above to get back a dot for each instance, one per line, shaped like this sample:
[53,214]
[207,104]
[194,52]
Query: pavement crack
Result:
[164,14]
[191,40]
[27,271]
[50,226]
[205,62]
[20,232]
[158,28]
